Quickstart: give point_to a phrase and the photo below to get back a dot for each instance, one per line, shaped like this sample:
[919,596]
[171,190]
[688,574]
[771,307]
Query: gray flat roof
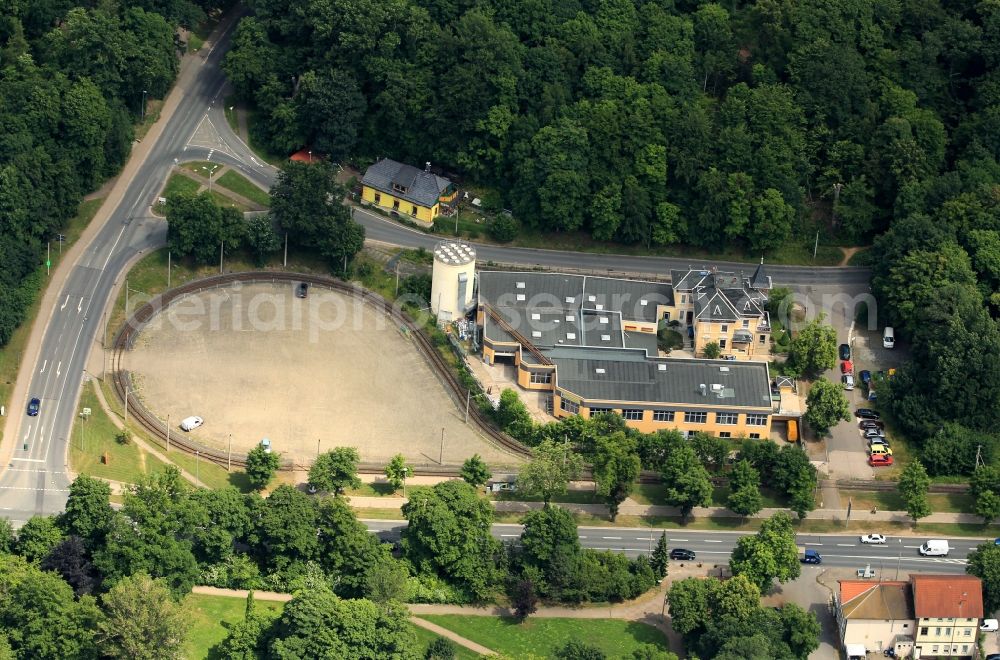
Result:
[629,375]
[548,327]
[635,300]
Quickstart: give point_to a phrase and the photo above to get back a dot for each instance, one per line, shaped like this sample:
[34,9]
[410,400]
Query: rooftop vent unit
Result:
[724,370]
[704,390]
[661,367]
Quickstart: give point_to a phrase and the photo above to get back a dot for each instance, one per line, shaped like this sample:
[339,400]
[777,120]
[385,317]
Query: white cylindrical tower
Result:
[452,280]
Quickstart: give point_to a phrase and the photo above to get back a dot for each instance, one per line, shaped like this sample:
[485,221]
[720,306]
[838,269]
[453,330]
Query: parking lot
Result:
[309,374]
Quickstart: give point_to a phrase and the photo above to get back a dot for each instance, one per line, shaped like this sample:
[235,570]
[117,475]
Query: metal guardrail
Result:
[127,334]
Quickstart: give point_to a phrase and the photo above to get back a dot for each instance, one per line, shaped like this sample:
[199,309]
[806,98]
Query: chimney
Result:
[427,166]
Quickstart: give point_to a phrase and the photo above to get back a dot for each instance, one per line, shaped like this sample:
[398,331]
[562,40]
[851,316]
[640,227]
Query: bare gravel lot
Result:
[255,361]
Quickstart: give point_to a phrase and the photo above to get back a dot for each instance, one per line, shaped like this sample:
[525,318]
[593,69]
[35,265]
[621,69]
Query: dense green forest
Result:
[72,75]
[654,122]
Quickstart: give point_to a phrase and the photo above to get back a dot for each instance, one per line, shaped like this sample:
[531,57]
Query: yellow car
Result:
[882,450]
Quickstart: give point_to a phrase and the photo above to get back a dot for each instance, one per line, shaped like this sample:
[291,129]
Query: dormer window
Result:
[398,188]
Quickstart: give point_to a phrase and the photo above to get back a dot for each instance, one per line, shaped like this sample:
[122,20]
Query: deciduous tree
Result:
[475,472]
[687,481]
[616,467]
[913,487]
[336,470]
[770,553]
[826,405]
[142,621]
[552,467]
[744,485]
[261,466]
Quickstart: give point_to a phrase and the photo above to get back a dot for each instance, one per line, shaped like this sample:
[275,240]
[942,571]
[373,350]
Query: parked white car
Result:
[191,423]
[873,538]
[989,625]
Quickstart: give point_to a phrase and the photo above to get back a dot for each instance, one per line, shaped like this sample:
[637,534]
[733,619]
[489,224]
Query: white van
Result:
[888,337]
[935,548]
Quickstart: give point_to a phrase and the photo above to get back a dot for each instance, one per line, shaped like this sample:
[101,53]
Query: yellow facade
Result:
[401,206]
[721,332]
[639,417]
[946,636]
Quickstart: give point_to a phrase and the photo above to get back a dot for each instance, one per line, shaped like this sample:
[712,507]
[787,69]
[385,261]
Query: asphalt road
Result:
[36,480]
[716,547]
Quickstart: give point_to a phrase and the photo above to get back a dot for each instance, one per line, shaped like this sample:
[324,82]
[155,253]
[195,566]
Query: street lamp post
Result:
[310,156]
[142,110]
[211,171]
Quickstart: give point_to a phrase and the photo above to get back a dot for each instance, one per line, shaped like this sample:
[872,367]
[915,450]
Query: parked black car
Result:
[302,290]
[867,413]
[682,554]
[870,424]
[845,352]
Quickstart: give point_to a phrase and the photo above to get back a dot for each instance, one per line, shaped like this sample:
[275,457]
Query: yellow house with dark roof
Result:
[405,190]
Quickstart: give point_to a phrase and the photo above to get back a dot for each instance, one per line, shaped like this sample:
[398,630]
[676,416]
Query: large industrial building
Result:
[592,342]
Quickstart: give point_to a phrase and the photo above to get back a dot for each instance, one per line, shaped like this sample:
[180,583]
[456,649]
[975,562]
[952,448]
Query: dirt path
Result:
[453,636]
[242,593]
[848,253]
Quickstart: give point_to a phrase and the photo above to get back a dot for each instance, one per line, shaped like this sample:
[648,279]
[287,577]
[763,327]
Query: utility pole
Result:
[816,245]
[468,399]
[441,452]
[168,434]
[126,299]
[142,110]
[397,279]
[168,270]
[222,247]
[48,258]
[317,447]
[197,466]
[126,405]
[229,461]
[285,264]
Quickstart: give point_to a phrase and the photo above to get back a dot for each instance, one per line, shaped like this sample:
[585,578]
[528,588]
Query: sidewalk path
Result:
[631,508]
[453,636]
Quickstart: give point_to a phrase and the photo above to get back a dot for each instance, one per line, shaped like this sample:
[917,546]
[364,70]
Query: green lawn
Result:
[208,619]
[891,501]
[95,437]
[241,185]
[425,637]
[10,355]
[199,167]
[540,637]
[178,183]
[654,494]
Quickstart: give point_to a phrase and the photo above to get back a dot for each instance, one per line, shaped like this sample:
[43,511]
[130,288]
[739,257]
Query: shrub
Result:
[503,229]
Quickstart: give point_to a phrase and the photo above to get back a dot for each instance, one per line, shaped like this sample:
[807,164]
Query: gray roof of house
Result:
[713,305]
[760,278]
[423,188]
[629,375]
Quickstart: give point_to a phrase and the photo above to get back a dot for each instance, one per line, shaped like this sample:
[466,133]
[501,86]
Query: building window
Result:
[695,417]
[923,631]
[756,420]
[762,339]
[965,648]
[684,299]
[395,205]
[663,415]
[727,418]
[967,632]
[937,633]
[413,212]
[725,328]
[722,343]
[541,377]
[746,323]
[934,649]
[378,198]
[725,434]
[569,406]
[756,436]
[597,411]
[947,632]
[398,188]
[632,413]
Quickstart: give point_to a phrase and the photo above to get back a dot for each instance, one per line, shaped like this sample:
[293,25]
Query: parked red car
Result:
[846,367]
[878,460]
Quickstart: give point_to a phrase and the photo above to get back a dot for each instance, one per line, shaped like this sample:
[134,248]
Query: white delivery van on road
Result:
[888,338]
[935,548]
